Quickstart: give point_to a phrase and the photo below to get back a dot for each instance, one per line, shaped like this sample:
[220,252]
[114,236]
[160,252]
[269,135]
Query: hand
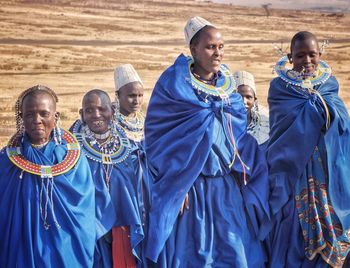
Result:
[185,205]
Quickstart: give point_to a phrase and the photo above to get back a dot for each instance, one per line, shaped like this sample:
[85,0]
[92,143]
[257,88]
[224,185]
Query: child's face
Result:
[248,96]
[305,55]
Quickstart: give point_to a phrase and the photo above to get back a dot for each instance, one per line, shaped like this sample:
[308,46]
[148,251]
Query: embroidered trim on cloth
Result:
[322,230]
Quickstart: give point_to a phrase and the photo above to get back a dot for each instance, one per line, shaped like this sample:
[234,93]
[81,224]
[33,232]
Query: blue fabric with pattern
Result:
[309,175]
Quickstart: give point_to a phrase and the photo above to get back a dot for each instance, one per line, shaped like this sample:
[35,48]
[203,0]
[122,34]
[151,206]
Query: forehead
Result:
[95,100]
[245,90]
[210,34]
[305,44]
[41,100]
[131,88]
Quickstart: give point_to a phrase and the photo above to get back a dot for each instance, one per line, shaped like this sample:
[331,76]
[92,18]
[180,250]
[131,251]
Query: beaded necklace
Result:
[46,173]
[132,126]
[306,85]
[15,155]
[40,146]
[223,91]
[211,81]
[295,78]
[112,151]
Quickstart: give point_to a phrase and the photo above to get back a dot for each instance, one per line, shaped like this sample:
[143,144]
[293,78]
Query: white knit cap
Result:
[193,25]
[245,78]
[125,74]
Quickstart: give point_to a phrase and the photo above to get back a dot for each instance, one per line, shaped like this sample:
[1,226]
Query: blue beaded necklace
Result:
[223,91]
[113,151]
[295,78]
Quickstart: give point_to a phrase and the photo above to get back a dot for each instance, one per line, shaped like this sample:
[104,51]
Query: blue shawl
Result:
[179,136]
[297,122]
[24,242]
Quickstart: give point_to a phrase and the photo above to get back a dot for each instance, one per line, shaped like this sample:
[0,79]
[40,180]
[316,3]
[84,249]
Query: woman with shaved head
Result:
[209,175]
[109,154]
[308,156]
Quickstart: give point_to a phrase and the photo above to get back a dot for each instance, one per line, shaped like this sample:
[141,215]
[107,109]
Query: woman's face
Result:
[130,98]
[305,55]
[248,96]
[208,52]
[97,113]
[39,116]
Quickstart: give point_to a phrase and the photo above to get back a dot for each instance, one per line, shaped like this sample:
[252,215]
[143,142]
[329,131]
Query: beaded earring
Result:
[323,46]
[57,131]
[116,104]
[280,49]
[254,113]
[19,121]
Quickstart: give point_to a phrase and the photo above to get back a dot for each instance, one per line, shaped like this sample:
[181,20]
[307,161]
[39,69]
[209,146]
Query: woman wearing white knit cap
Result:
[257,120]
[129,99]
[206,168]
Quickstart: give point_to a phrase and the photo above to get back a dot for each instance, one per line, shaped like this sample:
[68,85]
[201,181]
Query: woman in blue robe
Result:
[308,156]
[129,93]
[203,164]
[108,151]
[46,191]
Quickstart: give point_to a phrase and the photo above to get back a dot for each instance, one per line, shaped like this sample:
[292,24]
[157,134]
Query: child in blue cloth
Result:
[308,157]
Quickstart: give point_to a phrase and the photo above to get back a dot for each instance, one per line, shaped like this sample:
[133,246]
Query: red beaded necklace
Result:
[13,151]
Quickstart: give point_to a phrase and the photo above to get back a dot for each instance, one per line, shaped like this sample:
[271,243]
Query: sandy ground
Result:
[74,47]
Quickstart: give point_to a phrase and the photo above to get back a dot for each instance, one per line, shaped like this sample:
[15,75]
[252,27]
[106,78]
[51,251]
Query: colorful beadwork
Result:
[318,219]
[132,126]
[223,91]
[120,145]
[14,153]
[292,77]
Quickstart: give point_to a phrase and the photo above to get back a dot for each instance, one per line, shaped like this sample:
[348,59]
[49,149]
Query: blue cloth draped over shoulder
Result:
[300,118]
[179,134]
[117,206]
[298,134]
[24,242]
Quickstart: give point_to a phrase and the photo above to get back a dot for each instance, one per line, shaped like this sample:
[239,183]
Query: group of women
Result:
[203,181]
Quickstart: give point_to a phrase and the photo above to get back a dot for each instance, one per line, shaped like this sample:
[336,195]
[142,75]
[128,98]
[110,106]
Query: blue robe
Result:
[309,175]
[142,184]
[24,242]
[188,152]
[117,207]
